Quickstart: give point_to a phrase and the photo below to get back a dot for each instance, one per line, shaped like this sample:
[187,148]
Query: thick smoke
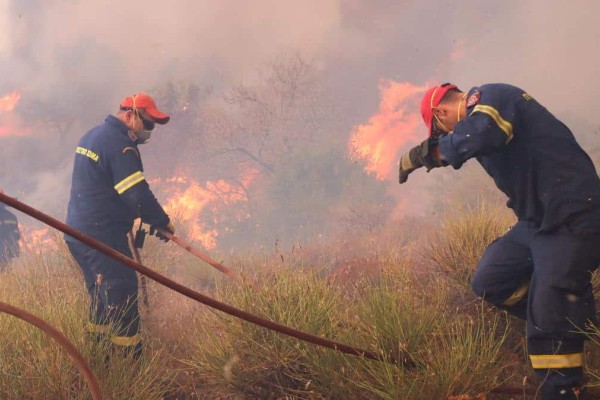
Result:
[73,60]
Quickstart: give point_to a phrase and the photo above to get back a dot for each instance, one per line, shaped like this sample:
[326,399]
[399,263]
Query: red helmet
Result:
[431,99]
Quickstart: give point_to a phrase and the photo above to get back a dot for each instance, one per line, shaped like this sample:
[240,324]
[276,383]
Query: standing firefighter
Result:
[9,237]
[541,269]
[108,192]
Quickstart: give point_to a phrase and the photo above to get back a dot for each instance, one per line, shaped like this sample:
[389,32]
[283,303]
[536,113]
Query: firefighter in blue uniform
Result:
[108,192]
[541,269]
[9,237]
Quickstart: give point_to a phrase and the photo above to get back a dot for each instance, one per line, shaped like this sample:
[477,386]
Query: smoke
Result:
[128,45]
[76,59]
[109,48]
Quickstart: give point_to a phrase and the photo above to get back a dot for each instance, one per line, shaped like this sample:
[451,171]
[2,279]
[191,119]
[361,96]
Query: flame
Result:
[36,239]
[9,102]
[198,207]
[394,125]
[188,206]
[10,123]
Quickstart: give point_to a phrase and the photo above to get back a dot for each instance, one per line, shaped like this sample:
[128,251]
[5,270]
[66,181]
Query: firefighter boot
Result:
[567,393]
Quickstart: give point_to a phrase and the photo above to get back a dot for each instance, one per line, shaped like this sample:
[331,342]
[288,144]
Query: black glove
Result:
[140,236]
[420,156]
[155,230]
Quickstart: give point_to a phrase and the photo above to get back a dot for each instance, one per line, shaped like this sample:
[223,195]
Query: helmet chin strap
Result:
[440,123]
[142,137]
[458,108]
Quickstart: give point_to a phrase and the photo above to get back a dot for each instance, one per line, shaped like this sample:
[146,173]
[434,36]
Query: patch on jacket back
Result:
[473,99]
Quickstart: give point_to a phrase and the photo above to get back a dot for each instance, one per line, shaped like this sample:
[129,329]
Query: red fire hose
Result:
[307,337]
[188,247]
[61,339]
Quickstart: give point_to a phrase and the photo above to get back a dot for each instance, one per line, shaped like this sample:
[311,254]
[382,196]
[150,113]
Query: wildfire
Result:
[199,207]
[9,121]
[9,101]
[395,124]
[37,239]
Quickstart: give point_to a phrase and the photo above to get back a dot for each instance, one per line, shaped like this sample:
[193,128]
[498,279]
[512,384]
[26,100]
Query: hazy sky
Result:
[91,53]
[547,46]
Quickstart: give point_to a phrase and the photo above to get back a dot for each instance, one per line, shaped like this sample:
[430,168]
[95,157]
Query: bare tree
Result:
[261,125]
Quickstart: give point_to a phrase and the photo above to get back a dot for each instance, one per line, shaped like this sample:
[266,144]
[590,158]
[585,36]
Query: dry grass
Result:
[462,237]
[49,285]
[379,293]
[401,314]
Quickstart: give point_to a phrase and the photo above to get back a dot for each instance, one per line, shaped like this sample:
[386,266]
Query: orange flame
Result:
[9,122]
[36,239]
[9,102]
[188,206]
[395,124]
[198,207]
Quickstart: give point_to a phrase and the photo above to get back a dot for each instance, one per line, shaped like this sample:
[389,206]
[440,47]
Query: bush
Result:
[49,285]
[439,350]
[463,236]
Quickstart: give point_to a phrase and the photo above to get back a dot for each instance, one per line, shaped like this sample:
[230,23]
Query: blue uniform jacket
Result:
[108,189]
[531,155]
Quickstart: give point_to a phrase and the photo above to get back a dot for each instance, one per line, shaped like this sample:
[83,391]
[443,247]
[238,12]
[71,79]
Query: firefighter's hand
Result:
[427,154]
[406,167]
[424,155]
[156,230]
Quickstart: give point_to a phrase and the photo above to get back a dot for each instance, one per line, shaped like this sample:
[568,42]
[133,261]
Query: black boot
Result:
[566,393]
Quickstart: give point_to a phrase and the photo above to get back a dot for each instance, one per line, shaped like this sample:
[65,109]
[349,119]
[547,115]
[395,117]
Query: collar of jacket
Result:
[116,123]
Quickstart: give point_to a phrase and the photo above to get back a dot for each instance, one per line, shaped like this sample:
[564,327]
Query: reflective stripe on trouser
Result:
[104,330]
[504,271]
[126,341]
[97,328]
[558,364]
[112,287]
[556,361]
[560,308]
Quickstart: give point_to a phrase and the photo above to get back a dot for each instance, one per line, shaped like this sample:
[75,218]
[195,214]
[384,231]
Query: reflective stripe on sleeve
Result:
[503,124]
[128,182]
[556,361]
[126,340]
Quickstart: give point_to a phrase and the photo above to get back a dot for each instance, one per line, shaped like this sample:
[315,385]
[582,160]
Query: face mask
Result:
[143,136]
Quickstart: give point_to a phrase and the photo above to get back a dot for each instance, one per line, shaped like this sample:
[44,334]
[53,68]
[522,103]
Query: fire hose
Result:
[188,247]
[209,301]
[61,339]
[145,271]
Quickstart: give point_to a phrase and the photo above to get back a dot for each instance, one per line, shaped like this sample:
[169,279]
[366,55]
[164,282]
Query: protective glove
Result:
[420,156]
[154,230]
[406,167]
